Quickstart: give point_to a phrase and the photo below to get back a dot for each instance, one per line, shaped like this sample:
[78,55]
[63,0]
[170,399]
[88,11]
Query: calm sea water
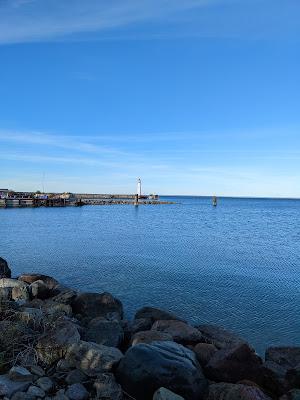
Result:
[237,265]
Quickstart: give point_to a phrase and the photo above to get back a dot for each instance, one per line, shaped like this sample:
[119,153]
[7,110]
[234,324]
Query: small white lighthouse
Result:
[139,188]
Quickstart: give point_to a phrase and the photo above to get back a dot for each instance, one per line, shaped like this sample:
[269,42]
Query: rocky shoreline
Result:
[56,343]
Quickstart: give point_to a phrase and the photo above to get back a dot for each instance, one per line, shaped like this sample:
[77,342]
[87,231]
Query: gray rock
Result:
[107,387]
[75,376]
[77,392]
[54,344]
[11,283]
[180,331]
[92,358]
[20,374]
[20,294]
[148,367]
[155,314]
[45,383]
[165,394]
[204,352]
[101,331]
[36,391]
[9,387]
[92,305]
[5,271]
[220,337]
[149,337]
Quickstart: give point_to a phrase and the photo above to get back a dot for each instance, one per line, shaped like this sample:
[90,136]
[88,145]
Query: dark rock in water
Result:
[229,391]
[286,357]
[50,282]
[101,331]
[204,352]
[92,305]
[165,394]
[149,337]
[53,345]
[39,289]
[155,314]
[180,331]
[220,337]
[147,367]
[5,271]
[107,388]
[284,362]
[92,358]
[233,364]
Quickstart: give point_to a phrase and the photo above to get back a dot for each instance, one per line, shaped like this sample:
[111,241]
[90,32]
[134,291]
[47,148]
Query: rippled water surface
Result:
[237,265]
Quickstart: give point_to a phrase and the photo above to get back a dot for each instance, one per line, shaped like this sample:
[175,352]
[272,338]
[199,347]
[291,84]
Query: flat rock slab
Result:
[9,387]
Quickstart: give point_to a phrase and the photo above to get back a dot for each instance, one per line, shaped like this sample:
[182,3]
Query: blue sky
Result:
[195,97]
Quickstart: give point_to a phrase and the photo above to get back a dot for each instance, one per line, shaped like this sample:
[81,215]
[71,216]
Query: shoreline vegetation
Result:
[58,343]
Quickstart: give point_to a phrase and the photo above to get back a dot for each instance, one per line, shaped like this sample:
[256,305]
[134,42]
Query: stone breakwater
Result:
[57,343]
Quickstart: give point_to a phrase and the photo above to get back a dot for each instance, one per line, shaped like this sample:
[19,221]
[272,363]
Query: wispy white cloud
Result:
[37,20]
[25,20]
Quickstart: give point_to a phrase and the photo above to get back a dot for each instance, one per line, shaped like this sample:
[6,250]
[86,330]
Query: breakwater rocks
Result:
[56,343]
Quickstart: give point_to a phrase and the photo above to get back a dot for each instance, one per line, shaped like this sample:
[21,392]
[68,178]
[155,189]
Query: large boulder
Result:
[92,305]
[147,367]
[149,337]
[50,282]
[92,358]
[180,331]
[220,337]
[233,364]
[229,391]
[5,271]
[107,388]
[155,314]
[101,331]
[54,344]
